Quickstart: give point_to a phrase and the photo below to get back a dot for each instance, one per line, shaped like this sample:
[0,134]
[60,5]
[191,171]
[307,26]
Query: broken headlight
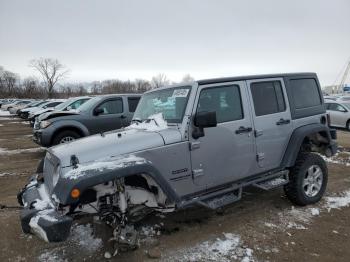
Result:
[44,124]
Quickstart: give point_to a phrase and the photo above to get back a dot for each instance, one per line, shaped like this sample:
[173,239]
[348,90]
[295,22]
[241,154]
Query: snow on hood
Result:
[154,122]
[105,145]
[103,164]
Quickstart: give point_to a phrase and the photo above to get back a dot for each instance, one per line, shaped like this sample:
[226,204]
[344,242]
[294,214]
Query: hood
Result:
[54,114]
[31,109]
[39,112]
[113,143]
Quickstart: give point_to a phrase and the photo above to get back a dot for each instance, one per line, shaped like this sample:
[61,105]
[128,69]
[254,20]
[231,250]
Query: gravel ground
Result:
[263,226]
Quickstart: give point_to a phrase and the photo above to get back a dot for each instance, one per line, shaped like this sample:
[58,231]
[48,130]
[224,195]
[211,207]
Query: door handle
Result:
[282,122]
[243,129]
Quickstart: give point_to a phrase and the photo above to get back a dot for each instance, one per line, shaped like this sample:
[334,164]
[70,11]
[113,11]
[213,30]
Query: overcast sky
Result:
[138,39]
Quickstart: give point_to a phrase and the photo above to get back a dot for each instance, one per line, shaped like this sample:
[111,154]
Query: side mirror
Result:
[203,120]
[69,108]
[98,111]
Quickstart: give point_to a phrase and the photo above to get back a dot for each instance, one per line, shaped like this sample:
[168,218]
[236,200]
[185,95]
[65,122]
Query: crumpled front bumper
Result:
[39,216]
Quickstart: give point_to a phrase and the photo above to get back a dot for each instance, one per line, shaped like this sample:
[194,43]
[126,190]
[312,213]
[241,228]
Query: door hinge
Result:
[260,156]
[258,133]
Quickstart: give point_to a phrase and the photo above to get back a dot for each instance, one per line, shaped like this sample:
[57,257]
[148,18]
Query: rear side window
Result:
[267,97]
[225,101]
[53,104]
[133,101]
[305,93]
[113,106]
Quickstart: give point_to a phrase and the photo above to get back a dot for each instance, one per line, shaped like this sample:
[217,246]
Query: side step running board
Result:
[274,182]
[222,200]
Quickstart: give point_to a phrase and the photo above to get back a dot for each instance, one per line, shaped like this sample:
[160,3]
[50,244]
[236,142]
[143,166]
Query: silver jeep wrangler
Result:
[194,144]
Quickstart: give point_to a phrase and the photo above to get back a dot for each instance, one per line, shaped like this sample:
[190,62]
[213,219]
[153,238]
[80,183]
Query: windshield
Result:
[347,105]
[64,104]
[88,104]
[171,102]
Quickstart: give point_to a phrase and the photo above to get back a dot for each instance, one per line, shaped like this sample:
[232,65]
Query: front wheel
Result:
[65,137]
[308,179]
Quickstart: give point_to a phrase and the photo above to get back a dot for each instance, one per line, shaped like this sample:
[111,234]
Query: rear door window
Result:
[268,97]
[133,102]
[305,93]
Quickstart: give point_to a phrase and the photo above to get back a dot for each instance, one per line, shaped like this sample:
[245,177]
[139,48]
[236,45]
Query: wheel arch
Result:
[309,138]
[81,130]
[99,176]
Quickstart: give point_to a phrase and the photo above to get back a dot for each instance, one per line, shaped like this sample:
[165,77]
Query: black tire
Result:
[40,168]
[295,190]
[65,134]
[348,125]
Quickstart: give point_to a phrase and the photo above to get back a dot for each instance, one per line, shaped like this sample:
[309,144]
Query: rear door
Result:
[272,120]
[226,152]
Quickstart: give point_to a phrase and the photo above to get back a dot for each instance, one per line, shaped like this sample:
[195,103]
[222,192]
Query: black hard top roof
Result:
[250,77]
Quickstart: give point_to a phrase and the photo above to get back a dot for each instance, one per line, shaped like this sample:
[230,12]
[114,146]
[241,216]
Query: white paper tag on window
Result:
[180,93]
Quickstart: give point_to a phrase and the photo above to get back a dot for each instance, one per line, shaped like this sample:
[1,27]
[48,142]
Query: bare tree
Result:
[159,81]
[142,85]
[187,79]
[51,71]
[9,79]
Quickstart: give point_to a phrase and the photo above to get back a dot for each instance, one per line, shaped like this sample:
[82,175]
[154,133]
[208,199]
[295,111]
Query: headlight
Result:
[44,124]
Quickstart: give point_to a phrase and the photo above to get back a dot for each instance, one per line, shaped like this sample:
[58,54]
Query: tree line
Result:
[50,85]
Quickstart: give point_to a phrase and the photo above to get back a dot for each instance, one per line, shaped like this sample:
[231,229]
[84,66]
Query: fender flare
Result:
[66,124]
[297,139]
[95,177]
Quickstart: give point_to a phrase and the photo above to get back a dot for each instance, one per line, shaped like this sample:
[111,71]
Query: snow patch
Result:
[337,202]
[223,249]
[103,164]
[4,113]
[154,122]
[7,174]
[5,151]
[336,159]
[83,236]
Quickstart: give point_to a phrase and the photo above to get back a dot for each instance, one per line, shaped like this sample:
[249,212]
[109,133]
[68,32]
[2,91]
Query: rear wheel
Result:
[65,137]
[348,125]
[308,180]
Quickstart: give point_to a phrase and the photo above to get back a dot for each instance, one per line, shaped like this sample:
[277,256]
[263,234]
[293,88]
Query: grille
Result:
[51,162]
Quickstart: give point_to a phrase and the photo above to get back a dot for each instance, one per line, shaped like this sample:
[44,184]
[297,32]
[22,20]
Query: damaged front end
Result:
[116,190]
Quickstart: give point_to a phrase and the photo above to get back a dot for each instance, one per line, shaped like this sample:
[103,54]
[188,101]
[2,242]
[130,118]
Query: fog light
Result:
[75,193]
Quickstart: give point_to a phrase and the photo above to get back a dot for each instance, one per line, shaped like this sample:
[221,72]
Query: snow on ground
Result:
[337,202]
[19,122]
[225,248]
[1,125]
[81,239]
[337,160]
[4,113]
[5,151]
[82,235]
[6,118]
[7,174]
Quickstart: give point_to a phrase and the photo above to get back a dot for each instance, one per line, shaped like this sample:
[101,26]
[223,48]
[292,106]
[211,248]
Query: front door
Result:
[272,121]
[110,118]
[226,152]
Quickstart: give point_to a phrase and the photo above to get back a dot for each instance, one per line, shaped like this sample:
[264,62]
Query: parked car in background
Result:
[15,109]
[99,114]
[30,106]
[339,113]
[6,101]
[71,104]
[47,108]
[7,106]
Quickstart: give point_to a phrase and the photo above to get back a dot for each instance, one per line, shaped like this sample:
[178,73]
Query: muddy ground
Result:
[263,226]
